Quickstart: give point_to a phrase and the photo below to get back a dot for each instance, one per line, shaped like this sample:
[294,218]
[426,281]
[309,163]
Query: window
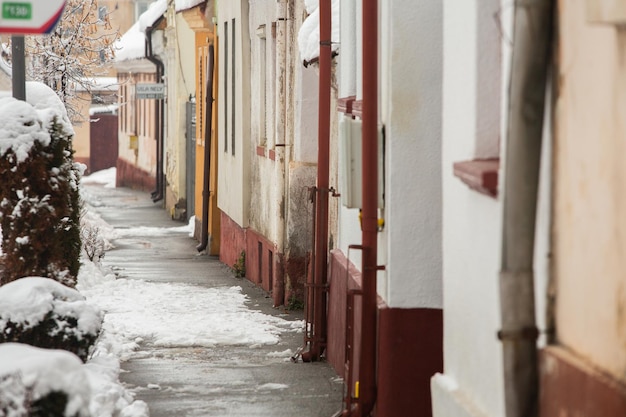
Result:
[263,86]
[481,172]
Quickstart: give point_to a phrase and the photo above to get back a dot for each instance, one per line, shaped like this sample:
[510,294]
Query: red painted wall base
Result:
[410,344]
[281,276]
[128,175]
[570,387]
[410,352]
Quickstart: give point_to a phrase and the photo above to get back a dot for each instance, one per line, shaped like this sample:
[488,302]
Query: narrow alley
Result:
[236,379]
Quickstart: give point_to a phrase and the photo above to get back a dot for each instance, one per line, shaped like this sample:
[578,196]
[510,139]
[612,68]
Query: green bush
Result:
[40,210]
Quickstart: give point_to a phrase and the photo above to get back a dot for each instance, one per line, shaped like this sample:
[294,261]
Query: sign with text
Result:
[30,17]
[150,91]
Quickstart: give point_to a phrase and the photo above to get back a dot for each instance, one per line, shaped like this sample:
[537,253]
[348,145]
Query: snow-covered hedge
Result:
[39,196]
[42,382]
[42,312]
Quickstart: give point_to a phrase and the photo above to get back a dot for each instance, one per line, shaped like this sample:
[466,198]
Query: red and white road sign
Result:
[30,17]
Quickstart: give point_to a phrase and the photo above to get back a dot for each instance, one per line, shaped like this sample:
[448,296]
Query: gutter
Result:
[530,62]
[206,191]
[159,120]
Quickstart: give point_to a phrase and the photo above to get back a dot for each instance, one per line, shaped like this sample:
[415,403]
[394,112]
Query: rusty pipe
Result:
[321,207]
[367,363]
[206,171]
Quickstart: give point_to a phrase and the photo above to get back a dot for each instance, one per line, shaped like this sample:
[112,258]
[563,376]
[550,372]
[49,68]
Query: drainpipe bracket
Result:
[525,333]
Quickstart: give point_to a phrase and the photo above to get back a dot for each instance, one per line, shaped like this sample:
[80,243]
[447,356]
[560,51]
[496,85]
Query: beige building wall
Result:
[589,231]
[180,79]
[122,15]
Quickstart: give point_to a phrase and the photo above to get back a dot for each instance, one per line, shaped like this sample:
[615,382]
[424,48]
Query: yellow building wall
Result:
[203,40]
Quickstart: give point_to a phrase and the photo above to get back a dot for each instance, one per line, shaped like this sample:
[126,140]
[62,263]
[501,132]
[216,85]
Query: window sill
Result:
[480,175]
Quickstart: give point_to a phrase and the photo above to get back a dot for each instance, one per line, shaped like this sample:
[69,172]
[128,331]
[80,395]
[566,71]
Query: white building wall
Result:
[473,381]
[233,181]
[349,69]
[265,192]
[411,32]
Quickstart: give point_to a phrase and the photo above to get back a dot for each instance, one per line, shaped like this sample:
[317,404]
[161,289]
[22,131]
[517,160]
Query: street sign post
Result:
[30,17]
[150,91]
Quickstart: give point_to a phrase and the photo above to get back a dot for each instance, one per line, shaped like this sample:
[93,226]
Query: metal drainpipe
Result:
[320,253]
[529,67]
[369,225]
[157,194]
[280,143]
[206,186]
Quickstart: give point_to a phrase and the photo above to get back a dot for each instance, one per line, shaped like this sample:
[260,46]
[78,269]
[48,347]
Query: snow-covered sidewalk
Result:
[192,338]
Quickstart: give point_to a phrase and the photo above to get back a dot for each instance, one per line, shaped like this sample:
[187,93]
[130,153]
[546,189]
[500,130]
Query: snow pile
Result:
[105,177]
[309,34]
[193,316]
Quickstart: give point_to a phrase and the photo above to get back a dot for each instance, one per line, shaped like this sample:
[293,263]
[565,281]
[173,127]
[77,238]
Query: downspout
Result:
[320,251]
[530,60]
[280,145]
[159,119]
[206,186]
[369,225]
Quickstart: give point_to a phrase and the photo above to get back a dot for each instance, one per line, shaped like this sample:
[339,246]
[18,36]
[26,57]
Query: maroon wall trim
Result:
[271,270]
[342,277]
[410,352]
[232,240]
[128,175]
[570,387]
[410,344]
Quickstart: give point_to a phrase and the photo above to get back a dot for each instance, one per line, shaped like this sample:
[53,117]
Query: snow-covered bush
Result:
[42,312]
[39,195]
[42,382]
[38,382]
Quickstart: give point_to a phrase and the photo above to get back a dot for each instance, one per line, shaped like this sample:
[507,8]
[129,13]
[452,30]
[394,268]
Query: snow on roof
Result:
[22,123]
[109,108]
[309,34]
[186,4]
[132,44]
[154,12]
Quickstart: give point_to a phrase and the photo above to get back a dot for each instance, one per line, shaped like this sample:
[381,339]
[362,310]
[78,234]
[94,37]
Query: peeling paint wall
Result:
[590,179]
[179,59]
